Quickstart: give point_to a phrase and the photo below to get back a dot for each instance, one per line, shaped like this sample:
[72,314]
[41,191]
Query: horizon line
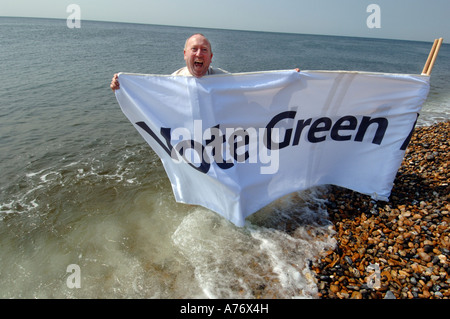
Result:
[230,29]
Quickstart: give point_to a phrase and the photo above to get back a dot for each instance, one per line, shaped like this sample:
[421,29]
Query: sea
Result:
[86,208]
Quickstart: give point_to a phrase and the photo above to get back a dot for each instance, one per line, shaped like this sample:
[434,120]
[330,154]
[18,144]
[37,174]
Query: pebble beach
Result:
[397,249]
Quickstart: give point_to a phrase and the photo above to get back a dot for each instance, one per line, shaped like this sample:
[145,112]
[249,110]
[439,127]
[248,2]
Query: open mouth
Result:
[198,64]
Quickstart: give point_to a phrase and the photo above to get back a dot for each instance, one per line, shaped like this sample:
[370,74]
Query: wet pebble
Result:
[397,249]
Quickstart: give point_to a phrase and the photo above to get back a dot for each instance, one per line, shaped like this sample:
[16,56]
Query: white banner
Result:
[234,143]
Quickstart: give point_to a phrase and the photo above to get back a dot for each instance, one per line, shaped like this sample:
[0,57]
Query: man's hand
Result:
[115,82]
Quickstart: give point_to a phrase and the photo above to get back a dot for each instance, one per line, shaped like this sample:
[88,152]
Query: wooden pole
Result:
[432,57]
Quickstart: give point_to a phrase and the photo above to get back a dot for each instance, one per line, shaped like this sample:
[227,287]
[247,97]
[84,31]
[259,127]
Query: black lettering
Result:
[268,132]
[147,129]
[216,141]
[180,147]
[322,124]
[244,140]
[379,134]
[339,126]
[301,124]
[183,146]
[165,132]
[408,139]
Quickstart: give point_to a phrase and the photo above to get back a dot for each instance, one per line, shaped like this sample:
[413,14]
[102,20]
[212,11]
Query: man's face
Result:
[198,55]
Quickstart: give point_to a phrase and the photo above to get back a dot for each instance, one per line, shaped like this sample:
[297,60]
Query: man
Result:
[197,54]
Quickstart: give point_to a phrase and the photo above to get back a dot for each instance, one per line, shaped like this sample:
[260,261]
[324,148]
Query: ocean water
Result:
[79,186]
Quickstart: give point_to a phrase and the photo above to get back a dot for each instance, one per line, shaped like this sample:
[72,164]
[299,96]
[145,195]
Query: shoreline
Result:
[397,249]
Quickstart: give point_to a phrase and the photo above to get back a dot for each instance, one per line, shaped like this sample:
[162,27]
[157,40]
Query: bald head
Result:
[198,35]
